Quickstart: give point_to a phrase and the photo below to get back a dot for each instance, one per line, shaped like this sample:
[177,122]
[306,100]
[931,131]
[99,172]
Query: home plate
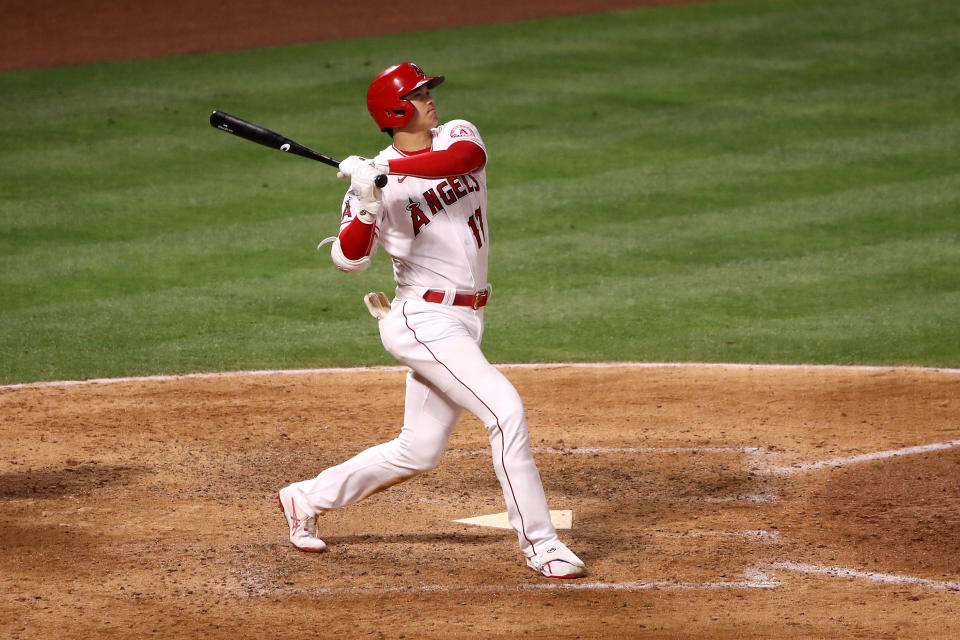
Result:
[561,519]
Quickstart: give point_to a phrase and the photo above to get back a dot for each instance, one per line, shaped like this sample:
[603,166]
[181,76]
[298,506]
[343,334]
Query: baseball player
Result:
[431,219]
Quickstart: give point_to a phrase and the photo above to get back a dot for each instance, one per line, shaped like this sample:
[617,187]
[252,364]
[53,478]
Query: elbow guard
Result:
[344,263]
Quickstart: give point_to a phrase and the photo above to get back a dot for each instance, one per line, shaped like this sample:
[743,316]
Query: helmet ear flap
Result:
[391,118]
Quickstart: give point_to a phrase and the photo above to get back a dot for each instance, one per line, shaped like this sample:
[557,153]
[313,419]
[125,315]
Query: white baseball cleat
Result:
[557,561]
[303,527]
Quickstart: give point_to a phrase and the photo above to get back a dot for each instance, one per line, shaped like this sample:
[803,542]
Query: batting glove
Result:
[367,193]
[353,164]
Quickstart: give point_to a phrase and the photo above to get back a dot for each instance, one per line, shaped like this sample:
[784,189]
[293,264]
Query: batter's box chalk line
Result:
[865,457]
[753,579]
[758,453]
[757,578]
[763,577]
[761,535]
[758,459]
[872,576]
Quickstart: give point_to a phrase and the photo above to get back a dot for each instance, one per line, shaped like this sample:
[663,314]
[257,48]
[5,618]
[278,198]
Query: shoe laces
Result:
[305,525]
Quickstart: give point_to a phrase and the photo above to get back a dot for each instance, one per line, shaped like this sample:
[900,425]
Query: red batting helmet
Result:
[385,95]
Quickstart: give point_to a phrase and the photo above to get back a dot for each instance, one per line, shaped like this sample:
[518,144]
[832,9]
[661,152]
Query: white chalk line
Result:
[750,534]
[865,457]
[563,451]
[749,498]
[757,578]
[757,455]
[872,576]
[650,449]
[753,498]
[529,365]
[754,579]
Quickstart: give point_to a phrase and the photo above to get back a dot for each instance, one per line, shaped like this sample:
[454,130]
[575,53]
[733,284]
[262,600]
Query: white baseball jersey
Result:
[421,216]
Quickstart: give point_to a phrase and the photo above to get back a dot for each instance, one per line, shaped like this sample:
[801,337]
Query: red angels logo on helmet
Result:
[417,68]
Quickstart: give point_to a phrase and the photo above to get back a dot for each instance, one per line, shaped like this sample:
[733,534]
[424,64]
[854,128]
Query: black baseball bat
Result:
[261,135]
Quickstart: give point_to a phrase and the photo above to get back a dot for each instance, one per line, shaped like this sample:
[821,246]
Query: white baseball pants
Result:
[449,373]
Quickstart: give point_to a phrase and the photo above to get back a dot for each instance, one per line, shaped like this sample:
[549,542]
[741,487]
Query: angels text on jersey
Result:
[446,192]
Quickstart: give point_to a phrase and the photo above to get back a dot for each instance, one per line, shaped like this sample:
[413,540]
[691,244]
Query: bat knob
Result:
[380,181]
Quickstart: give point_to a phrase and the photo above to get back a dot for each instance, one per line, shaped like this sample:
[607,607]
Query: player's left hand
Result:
[352,165]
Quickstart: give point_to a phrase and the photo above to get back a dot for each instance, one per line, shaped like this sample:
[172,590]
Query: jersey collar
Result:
[414,153]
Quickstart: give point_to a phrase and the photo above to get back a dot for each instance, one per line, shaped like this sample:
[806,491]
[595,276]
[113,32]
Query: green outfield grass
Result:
[761,181]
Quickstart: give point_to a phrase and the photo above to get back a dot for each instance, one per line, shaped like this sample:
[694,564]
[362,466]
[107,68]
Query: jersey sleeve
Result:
[459,131]
[459,159]
[458,150]
[357,238]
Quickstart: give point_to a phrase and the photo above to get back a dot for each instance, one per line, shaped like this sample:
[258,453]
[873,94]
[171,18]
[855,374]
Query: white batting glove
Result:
[351,165]
[368,195]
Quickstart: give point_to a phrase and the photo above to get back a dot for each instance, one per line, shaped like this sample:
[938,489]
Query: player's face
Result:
[426,116]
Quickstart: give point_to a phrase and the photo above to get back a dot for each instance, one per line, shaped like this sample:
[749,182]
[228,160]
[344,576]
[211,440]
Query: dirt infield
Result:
[147,508]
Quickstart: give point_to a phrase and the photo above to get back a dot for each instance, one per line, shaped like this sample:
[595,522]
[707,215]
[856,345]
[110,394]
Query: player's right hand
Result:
[369,196]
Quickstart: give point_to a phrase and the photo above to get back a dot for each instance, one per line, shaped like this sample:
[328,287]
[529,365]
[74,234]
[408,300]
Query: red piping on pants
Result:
[503,462]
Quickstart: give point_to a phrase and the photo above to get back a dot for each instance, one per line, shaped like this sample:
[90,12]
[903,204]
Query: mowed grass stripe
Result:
[884,156]
[783,172]
[789,311]
[847,219]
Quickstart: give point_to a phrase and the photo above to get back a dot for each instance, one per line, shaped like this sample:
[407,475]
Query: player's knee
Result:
[510,421]
[417,459]
[420,462]
[515,417]
[423,463]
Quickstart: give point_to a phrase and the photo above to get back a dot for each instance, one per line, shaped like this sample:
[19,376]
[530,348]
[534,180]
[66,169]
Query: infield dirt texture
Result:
[709,501]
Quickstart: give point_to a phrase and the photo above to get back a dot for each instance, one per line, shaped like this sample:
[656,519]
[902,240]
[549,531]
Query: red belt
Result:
[473,300]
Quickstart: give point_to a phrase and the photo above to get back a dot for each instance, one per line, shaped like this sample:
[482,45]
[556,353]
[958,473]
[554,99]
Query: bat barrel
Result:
[261,135]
